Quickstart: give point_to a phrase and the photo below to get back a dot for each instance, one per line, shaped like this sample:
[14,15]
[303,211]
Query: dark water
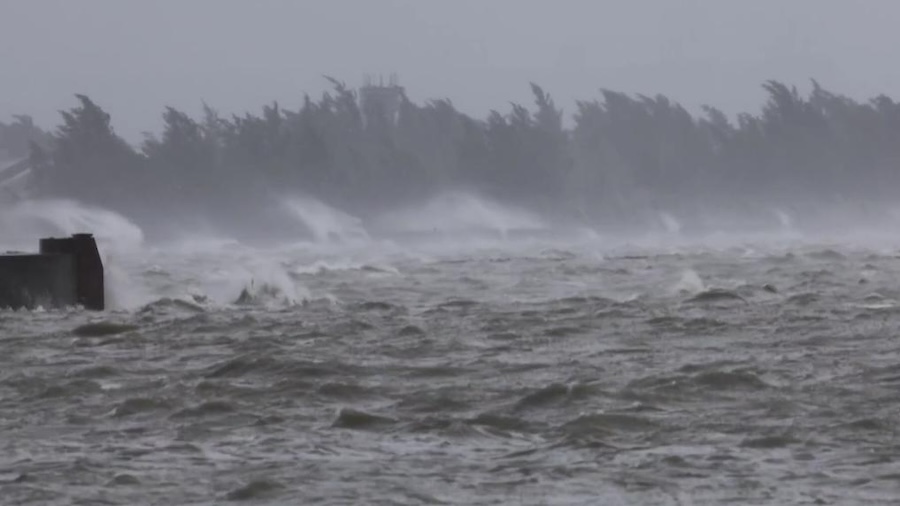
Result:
[539,375]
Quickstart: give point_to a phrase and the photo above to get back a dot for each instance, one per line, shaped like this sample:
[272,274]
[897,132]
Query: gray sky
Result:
[135,56]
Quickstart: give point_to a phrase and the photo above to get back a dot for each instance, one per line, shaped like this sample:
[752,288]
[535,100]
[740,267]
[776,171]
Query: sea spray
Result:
[459,213]
[32,219]
[221,271]
[784,219]
[268,282]
[25,222]
[670,223]
[689,282]
[325,223]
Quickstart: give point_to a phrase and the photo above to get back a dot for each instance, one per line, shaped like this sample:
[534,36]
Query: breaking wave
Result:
[325,223]
[25,221]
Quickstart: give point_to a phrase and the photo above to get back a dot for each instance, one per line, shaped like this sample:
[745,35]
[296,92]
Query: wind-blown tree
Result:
[624,162]
[181,167]
[89,161]
[628,149]
[307,149]
[528,155]
[859,137]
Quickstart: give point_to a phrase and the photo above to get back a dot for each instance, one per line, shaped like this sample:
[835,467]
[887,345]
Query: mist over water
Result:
[205,268]
[325,223]
[348,304]
[218,269]
[460,214]
[23,221]
[490,354]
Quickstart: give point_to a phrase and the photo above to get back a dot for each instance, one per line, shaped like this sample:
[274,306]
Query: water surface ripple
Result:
[548,376]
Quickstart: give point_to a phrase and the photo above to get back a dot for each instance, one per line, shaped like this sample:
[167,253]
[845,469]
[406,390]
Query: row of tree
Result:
[625,159]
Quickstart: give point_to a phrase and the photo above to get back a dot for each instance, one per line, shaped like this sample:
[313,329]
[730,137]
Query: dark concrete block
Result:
[66,272]
[29,281]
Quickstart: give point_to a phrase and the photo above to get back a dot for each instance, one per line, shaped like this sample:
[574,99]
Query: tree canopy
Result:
[622,160]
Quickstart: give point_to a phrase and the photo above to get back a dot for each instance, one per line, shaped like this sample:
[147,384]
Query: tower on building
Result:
[380,101]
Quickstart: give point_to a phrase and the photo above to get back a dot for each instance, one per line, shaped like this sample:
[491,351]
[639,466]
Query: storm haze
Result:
[643,117]
[135,57]
[450,252]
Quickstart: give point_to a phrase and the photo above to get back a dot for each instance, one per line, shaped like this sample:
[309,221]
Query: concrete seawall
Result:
[66,272]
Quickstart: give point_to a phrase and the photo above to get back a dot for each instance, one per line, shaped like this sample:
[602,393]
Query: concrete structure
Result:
[66,272]
[380,102]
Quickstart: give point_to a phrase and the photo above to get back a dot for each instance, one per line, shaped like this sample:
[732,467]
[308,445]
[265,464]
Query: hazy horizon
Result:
[136,57]
[506,287]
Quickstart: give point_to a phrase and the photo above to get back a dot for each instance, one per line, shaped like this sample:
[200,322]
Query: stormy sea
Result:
[486,361]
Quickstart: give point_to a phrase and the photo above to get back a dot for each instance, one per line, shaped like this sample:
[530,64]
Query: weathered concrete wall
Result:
[66,272]
[29,281]
[89,282]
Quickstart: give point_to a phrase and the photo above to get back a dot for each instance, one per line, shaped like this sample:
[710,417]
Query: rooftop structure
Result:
[380,102]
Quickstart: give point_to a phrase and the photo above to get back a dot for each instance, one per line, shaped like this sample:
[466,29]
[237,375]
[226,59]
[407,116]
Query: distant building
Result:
[380,102]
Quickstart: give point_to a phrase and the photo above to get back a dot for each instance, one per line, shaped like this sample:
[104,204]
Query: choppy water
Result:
[514,374]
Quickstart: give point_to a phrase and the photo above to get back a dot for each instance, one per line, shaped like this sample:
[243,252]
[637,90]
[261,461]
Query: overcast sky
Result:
[135,56]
